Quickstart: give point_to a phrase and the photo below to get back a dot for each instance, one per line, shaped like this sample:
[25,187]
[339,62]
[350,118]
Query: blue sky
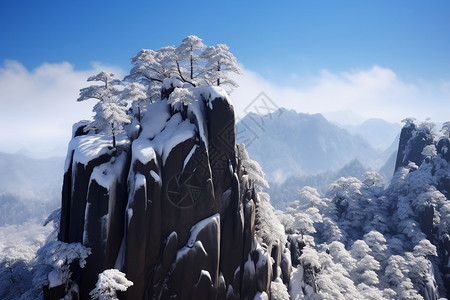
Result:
[350,60]
[272,38]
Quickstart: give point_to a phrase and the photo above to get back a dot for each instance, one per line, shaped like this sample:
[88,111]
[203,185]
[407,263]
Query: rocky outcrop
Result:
[173,209]
[411,144]
[435,171]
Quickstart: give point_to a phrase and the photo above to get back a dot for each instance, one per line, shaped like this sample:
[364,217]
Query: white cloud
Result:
[373,93]
[39,106]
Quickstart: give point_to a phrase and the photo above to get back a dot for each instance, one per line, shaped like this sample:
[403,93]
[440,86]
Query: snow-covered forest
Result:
[359,238]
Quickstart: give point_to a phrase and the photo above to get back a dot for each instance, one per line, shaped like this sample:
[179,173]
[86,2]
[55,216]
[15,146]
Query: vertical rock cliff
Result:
[175,208]
[419,144]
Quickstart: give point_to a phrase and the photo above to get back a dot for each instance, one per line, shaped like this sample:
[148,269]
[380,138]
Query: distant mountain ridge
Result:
[29,187]
[298,144]
[378,132]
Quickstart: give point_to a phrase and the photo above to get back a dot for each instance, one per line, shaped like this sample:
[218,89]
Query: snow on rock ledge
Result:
[171,208]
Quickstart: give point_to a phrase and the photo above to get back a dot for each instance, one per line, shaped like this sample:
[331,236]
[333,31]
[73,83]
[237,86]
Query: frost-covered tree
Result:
[446,129]
[312,214]
[252,168]
[377,244]
[59,256]
[110,111]
[191,62]
[109,282]
[397,278]
[408,120]
[388,236]
[110,116]
[181,97]
[429,150]
[444,223]
[428,127]
[347,195]
[100,92]
[135,92]
[305,214]
[333,280]
[366,264]
[220,62]
[153,66]
[188,57]
[372,179]
[341,256]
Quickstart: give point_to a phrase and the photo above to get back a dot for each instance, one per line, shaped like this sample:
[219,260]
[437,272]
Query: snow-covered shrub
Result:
[278,290]
[59,255]
[181,97]
[268,226]
[109,282]
[251,168]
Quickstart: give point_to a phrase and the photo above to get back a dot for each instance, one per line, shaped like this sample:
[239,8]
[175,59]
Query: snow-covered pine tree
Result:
[135,92]
[191,62]
[110,116]
[109,282]
[59,256]
[220,62]
[153,66]
[110,111]
[446,129]
[188,57]
[100,92]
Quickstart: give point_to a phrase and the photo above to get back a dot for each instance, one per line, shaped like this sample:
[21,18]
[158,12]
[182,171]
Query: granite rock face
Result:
[172,209]
[435,170]
[412,141]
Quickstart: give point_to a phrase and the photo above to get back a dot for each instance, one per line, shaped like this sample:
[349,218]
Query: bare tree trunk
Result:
[192,67]
[218,70]
[113,135]
[139,113]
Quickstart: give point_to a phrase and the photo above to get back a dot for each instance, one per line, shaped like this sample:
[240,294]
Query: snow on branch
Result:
[109,282]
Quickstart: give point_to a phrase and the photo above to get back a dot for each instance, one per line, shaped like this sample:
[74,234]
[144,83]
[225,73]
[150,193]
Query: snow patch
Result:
[130,214]
[205,273]
[139,181]
[211,93]
[85,232]
[108,173]
[171,83]
[261,296]
[91,146]
[143,151]
[196,110]
[195,230]
[297,283]
[161,141]
[55,278]
[155,119]
[155,176]
[183,132]
[188,157]
[186,249]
